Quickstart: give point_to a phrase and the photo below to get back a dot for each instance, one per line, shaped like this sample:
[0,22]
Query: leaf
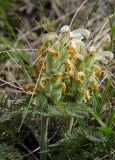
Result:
[105,129]
[111,117]
[105,94]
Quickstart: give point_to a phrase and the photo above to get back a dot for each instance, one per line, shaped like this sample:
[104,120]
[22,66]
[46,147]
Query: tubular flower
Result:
[80,77]
[69,68]
[53,52]
[42,82]
[71,51]
[87,94]
[92,50]
[40,64]
[94,86]
[97,70]
[29,86]
[63,87]
[104,57]
[58,75]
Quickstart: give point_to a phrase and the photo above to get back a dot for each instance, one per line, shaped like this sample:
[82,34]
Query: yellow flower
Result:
[53,52]
[58,75]
[42,82]
[87,94]
[29,86]
[94,86]
[63,87]
[69,68]
[40,64]
[80,77]
[97,70]
[71,51]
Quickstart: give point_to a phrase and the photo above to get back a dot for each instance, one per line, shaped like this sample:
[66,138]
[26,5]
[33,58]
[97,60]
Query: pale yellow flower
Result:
[29,86]
[97,70]
[87,94]
[63,87]
[92,50]
[69,68]
[53,52]
[42,82]
[58,75]
[80,77]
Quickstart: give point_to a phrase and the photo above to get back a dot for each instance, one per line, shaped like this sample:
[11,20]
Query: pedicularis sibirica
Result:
[67,65]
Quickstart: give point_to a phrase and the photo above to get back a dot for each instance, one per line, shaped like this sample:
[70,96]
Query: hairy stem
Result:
[69,124]
[44,131]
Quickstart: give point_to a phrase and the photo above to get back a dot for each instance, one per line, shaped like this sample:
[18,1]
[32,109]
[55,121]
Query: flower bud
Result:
[94,86]
[97,70]
[42,82]
[80,77]
[65,29]
[58,75]
[87,94]
[71,51]
[92,50]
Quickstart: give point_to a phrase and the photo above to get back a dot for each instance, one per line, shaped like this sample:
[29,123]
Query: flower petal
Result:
[104,56]
[80,33]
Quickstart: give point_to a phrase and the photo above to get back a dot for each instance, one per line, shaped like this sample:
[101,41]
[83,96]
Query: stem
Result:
[69,124]
[44,131]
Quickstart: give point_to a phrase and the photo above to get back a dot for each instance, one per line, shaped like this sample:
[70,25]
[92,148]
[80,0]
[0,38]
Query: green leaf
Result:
[105,94]
[105,129]
[111,117]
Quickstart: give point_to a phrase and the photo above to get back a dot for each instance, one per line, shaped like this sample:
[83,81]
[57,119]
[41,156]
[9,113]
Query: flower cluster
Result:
[69,66]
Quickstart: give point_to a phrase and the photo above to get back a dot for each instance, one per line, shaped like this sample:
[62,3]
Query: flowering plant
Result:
[67,65]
